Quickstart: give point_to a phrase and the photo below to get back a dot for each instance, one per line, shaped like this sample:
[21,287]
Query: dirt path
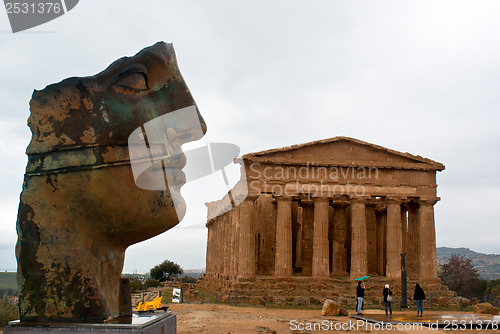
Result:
[224,319]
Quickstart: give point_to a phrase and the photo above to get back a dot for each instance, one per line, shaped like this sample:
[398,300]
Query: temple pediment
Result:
[343,151]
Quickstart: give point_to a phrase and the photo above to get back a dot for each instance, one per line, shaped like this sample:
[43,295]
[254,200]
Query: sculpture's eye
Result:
[136,81]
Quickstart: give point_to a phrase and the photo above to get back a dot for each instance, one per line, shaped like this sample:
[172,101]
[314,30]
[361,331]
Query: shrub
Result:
[135,285]
[188,279]
[152,283]
[8,310]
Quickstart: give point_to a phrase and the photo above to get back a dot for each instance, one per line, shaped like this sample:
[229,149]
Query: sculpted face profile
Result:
[103,173]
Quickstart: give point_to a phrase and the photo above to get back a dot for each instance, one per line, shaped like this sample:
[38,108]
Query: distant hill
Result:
[196,273]
[488,265]
[8,280]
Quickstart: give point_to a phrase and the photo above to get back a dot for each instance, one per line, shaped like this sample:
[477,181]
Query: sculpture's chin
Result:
[165,185]
[179,202]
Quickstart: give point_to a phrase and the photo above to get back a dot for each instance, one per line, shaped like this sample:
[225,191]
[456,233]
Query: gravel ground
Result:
[224,319]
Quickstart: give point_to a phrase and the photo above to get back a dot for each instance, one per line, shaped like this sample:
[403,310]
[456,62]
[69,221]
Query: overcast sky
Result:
[415,76]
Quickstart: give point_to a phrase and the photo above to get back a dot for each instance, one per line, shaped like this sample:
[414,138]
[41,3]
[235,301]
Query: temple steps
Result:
[342,289]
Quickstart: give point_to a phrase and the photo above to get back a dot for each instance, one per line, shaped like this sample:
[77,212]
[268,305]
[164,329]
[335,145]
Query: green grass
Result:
[166,296]
[8,280]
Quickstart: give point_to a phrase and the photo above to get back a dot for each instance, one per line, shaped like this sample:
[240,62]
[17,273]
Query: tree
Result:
[166,268]
[459,275]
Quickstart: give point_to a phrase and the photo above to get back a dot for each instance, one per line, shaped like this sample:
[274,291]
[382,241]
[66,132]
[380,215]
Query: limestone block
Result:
[256,300]
[346,301]
[264,330]
[441,301]
[463,301]
[344,312]
[485,308]
[278,300]
[330,308]
[301,301]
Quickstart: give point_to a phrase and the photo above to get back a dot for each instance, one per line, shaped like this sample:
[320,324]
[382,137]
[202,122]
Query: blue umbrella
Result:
[361,278]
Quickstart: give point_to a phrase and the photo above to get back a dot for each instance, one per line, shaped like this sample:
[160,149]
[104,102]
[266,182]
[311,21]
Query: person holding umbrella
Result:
[360,293]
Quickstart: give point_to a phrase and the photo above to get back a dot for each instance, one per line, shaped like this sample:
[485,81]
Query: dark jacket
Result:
[386,293]
[419,293]
[360,291]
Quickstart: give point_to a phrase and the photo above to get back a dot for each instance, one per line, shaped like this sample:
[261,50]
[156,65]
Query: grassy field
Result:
[8,280]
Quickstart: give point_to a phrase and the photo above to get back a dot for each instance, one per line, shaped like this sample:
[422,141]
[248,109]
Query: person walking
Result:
[387,300]
[419,297]
[360,293]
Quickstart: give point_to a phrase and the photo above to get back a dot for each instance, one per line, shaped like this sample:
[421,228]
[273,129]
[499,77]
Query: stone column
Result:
[230,245]
[298,244]
[339,262]
[265,228]
[381,244]
[413,241]
[232,242]
[227,246]
[215,246]
[246,265]
[220,244]
[404,226]
[359,264]
[394,238]
[371,237]
[427,247]
[210,247]
[320,265]
[283,258]
[236,233]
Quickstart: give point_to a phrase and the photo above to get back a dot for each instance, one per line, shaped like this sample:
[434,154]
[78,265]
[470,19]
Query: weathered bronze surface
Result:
[80,207]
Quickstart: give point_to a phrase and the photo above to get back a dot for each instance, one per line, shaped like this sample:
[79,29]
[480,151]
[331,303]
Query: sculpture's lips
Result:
[175,176]
[177,160]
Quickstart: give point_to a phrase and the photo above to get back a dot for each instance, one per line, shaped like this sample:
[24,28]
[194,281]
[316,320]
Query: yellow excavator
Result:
[154,305]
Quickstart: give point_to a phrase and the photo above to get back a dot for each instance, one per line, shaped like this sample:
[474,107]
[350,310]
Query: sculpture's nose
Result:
[202,122]
[184,125]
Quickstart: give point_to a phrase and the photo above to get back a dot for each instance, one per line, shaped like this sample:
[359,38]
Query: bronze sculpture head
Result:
[81,205]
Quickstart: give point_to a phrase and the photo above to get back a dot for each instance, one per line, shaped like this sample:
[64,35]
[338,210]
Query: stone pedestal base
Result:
[164,323]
